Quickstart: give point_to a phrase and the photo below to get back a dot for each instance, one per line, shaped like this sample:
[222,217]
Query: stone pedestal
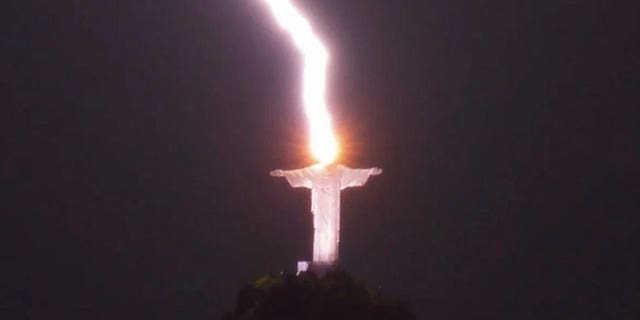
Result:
[319,268]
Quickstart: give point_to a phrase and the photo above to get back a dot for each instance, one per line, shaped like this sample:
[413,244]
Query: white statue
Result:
[325,182]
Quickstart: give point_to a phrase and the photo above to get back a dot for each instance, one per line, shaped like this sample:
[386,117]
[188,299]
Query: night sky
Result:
[137,137]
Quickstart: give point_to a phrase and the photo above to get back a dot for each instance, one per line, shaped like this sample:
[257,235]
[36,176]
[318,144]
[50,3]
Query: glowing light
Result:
[322,139]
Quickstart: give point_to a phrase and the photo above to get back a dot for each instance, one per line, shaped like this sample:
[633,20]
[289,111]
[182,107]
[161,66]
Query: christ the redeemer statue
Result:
[325,182]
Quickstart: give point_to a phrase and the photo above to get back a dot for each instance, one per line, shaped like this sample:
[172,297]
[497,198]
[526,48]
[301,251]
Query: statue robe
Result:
[325,183]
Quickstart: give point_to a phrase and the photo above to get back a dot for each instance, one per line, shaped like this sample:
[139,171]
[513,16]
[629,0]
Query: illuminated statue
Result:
[325,182]
[324,179]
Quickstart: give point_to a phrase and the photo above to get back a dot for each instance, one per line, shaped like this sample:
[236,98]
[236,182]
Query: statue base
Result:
[319,268]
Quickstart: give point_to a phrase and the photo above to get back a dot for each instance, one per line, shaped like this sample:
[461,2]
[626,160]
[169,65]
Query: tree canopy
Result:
[307,296]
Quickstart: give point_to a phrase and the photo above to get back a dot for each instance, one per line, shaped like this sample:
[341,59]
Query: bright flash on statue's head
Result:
[322,139]
[324,148]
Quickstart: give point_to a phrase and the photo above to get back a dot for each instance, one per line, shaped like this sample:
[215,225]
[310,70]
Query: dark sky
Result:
[137,137]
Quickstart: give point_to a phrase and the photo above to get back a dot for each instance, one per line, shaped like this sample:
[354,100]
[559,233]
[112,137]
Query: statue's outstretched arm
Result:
[277,173]
[357,177]
[296,178]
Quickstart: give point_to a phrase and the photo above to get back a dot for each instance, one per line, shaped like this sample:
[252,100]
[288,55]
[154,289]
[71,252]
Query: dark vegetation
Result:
[307,296]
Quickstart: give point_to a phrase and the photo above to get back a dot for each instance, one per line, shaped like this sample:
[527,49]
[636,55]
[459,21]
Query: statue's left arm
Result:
[357,177]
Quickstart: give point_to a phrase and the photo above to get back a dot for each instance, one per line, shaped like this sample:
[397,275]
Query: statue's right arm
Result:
[277,173]
[296,178]
[287,173]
